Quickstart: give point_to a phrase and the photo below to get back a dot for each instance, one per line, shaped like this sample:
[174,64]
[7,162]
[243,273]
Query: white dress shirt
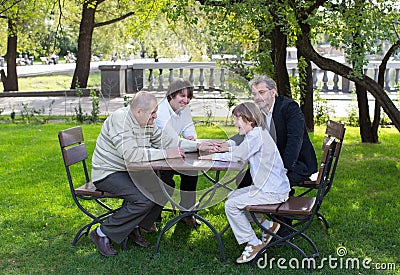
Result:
[175,124]
[268,116]
[266,165]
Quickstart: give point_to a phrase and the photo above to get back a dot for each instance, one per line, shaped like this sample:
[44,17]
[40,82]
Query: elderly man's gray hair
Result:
[143,100]
[263,79]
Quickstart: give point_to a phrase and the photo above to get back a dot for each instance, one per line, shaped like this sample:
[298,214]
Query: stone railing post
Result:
[335,83]
[191,76]
[160,81]
[222,79]
[315,78]
[211,84]
[151,80]
[325,81]
[201,80]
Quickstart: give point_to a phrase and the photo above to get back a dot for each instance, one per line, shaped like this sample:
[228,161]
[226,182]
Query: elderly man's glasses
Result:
[260,92]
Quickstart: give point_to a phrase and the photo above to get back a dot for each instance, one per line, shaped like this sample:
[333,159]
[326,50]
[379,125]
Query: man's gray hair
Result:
[143,100]
[263,79]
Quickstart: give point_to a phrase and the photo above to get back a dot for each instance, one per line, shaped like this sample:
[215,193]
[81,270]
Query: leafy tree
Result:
[20,17]
[357,34]
[354,31]
[113,12]
[271,32]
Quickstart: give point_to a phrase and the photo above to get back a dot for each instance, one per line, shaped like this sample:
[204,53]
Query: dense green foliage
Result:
[39,219]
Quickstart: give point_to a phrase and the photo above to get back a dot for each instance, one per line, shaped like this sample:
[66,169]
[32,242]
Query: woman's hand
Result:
[175,152]
[210,146]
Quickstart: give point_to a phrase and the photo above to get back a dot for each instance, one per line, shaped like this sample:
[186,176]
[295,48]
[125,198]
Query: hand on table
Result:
[210,146]
[222,147]
[175,152]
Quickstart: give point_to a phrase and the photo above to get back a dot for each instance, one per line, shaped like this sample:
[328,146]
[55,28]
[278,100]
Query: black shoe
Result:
[152,229]
[191,221]
[137,238]
[103,244]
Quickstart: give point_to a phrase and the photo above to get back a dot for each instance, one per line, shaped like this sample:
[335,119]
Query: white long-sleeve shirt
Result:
[175,124]
[266,165]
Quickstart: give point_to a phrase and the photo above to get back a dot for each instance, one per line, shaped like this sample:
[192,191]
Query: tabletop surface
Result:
[190,162]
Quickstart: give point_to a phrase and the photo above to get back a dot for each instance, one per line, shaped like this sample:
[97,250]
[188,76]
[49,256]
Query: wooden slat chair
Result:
[334,130]
[73,152]
[299,209]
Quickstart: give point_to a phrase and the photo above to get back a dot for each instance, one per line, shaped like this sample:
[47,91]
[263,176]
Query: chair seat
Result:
[297,206]
[89,189]
[293,206]
[263,208]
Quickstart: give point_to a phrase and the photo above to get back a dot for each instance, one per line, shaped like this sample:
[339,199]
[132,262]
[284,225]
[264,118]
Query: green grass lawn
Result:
[39,219]
[54,82]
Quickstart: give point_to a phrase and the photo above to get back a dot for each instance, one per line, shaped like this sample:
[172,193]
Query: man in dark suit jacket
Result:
[285,122]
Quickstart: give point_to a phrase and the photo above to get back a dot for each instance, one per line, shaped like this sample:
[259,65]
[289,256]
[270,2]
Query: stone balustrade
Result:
[212,81]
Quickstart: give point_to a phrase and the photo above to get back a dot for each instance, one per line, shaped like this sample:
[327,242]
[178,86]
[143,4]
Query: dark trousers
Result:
[141,205]
[294,180]
[187,187]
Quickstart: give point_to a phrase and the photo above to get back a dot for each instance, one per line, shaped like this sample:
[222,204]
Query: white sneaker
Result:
[249,253]
[265,237]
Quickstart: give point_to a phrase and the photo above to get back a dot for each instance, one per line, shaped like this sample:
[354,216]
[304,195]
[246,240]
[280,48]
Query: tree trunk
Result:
[375,123]
[381,80]
[278,56]
[84,53]
[10,82]
[306,93]
[364,120]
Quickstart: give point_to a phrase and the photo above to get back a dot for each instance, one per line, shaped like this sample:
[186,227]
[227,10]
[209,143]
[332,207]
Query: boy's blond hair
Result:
[250,112]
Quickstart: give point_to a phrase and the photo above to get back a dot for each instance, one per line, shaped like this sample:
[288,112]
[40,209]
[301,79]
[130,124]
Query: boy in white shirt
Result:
[270,183]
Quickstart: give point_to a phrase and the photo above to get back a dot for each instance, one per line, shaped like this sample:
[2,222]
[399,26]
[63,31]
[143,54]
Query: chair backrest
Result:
[73,151]
[336,131]
[326,173]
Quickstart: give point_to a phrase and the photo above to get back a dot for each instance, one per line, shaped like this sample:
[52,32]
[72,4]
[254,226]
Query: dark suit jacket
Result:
[292,139]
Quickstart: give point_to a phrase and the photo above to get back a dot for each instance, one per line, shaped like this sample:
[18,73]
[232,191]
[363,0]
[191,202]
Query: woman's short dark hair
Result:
[177,86]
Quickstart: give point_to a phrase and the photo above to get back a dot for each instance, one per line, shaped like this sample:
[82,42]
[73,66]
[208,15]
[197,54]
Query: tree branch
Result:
[4,8]
[217,3]
[371,85]
[100,24]
[382,66]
